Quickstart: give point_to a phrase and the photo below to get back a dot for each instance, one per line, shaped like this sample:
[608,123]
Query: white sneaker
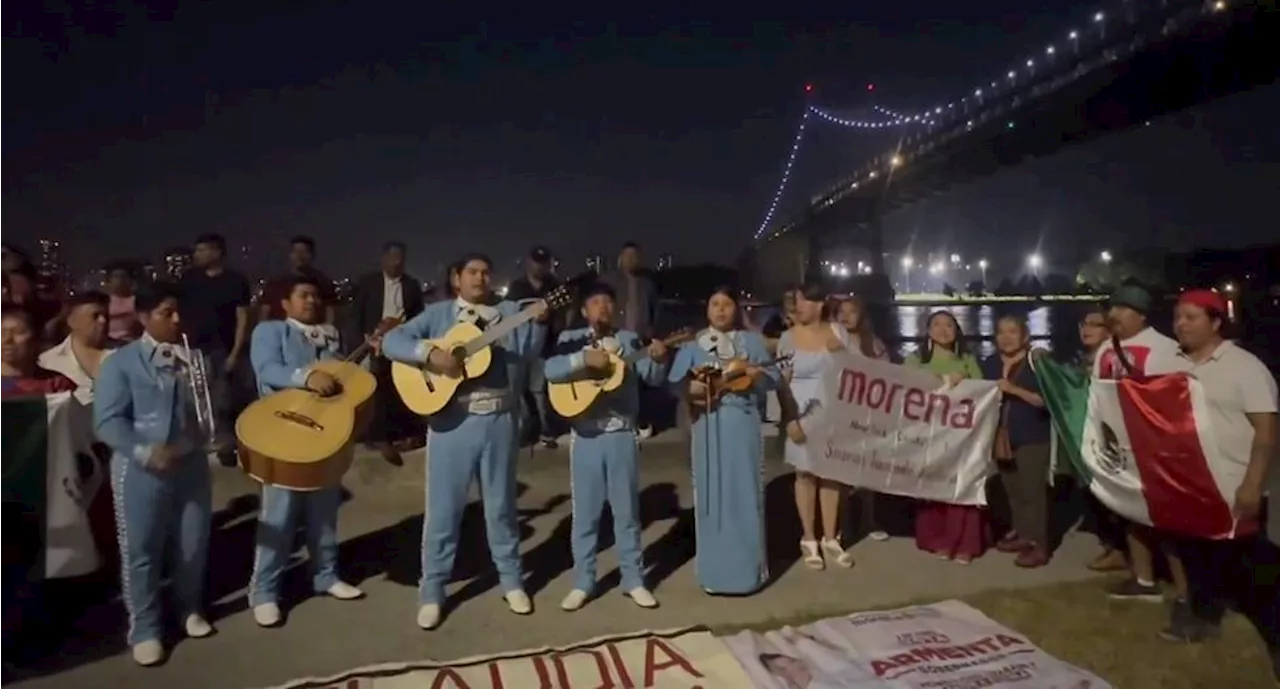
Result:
[879,536]
[645,433]
[198,627]
[266,615]
[574,601]
[519,602]
[344,591]
[429,616]
[642,597]
[148,653]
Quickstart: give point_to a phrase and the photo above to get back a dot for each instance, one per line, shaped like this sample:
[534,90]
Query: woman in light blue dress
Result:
[727,453]
[810,344]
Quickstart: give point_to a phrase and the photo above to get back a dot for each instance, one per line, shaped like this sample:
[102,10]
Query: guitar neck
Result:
[505,327]
[641,354]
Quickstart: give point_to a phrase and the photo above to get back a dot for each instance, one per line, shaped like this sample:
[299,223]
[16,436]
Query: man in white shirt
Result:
[388,293]
[80,355]
[1242,399]
[1137,349]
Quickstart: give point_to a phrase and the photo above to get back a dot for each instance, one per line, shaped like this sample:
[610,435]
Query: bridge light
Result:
[1099,17]
[808,88]
[871,87]
[1034,261]
[1218,7]
[977,92]
[871,175]
[955,259]
[907,262]
[895,161]
[1031,63]
[1012,74]
[1105,256]
[982,264]
[1049,50]
[1073,35]
[1228,288]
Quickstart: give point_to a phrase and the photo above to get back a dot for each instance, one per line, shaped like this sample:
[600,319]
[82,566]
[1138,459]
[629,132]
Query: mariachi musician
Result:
[476,434]
[603,465]
[281,352]
[145,408]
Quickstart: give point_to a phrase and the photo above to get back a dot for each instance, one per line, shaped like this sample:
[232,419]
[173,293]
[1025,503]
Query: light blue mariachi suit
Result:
[476,434]
[603,457]
[728,467]
[281,353]
[142,398]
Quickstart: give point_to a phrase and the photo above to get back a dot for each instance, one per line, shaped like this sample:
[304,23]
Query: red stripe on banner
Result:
[1179,489]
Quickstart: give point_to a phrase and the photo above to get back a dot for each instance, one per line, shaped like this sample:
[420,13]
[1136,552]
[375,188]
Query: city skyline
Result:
[509,138]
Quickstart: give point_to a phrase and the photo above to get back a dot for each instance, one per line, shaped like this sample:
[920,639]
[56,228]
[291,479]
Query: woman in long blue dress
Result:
[727,454]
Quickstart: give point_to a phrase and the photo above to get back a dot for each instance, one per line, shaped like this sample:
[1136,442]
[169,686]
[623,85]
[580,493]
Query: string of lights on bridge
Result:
[929,118]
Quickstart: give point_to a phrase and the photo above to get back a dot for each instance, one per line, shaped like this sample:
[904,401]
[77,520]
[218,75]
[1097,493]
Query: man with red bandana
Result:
[1242,400]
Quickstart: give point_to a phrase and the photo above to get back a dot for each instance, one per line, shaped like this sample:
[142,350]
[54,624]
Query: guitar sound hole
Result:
[299,419]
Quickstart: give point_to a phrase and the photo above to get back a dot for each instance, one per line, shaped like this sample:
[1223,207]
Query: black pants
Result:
[1245,571]
[1109,527]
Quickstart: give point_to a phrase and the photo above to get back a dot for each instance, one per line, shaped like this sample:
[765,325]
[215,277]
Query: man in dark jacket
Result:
[388,293]
[637,311]
[537,282]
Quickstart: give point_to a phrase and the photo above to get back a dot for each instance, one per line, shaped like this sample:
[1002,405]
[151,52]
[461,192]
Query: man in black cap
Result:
[538,280]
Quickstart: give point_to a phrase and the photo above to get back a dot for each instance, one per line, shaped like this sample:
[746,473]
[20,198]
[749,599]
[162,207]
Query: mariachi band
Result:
[457,364]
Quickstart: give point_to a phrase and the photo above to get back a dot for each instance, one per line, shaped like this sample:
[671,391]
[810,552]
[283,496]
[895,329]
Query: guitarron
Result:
[576,397]
[299,440]
[426,392]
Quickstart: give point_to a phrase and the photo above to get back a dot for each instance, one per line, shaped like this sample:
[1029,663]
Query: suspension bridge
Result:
[1119,67]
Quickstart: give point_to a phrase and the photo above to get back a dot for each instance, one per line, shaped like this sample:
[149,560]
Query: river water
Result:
[1053,327]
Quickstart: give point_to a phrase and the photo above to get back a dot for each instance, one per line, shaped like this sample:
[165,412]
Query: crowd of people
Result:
[161,477]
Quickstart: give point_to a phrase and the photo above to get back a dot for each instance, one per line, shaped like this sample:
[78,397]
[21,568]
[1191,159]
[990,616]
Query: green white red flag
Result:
[52,469]
[1145,448]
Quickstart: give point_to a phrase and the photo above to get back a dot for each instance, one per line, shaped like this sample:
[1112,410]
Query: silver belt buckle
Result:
[484,406]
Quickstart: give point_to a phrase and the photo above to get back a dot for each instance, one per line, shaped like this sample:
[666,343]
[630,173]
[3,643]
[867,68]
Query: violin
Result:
[735,376]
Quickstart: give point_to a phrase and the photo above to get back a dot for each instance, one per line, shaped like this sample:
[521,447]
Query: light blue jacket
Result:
[568,364]
[137,404]
[281,356]
[511,354]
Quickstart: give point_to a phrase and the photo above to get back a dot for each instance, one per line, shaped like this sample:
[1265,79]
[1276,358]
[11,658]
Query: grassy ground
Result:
[1118,640]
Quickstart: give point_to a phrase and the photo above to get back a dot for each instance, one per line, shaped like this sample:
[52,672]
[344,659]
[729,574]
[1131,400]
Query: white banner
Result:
[899,430]
[947,645]
[682,659]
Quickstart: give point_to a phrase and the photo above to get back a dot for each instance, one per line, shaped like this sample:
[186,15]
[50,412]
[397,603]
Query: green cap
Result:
[1133,297]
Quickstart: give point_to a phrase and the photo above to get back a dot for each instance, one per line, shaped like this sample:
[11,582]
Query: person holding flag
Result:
[1241,401]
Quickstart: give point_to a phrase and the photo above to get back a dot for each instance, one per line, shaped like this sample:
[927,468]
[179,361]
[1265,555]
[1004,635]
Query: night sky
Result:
[129,130]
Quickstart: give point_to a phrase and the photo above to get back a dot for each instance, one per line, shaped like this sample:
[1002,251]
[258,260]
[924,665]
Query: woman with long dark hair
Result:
[952,532]
[727,451]
[810,343]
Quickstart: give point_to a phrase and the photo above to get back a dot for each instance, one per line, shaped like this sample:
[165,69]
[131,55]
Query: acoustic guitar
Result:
[575,397]
[426,392]
[300,440]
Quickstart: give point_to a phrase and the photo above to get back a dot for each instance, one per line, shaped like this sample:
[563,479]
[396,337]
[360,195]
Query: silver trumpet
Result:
[198,377]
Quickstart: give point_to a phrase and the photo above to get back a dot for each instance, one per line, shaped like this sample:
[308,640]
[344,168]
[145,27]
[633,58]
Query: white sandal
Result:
[833,550]
[812,555]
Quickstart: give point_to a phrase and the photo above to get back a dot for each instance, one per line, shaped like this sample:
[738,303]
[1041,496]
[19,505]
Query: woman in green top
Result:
[952,532]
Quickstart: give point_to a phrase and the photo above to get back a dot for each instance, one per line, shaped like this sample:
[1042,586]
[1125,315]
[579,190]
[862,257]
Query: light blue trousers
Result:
[604,469]
[277,528]
[479,445]
[162,518]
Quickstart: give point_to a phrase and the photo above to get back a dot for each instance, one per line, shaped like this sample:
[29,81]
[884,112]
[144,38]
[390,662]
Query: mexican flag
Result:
[1145,448]
[52,468]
